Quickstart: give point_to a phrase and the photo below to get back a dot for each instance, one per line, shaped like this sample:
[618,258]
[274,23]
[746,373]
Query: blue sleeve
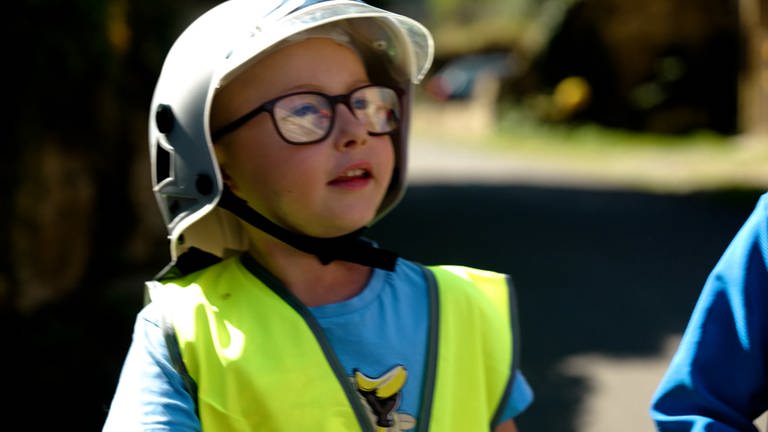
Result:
[150,394]
[520,398]
[717,381]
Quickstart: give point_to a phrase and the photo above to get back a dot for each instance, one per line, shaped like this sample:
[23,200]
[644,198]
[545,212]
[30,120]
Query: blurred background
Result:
[601,152]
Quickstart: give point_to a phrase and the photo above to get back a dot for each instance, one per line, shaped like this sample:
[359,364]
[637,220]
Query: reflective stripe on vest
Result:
[261,362]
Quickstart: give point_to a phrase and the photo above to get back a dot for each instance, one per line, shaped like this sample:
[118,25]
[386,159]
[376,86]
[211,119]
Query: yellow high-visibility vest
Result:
[259,360]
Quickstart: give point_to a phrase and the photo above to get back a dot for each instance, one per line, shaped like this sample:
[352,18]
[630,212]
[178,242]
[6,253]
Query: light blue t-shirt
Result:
[381,330]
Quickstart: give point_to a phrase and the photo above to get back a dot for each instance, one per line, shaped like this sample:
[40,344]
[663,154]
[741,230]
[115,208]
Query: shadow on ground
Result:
[607,272]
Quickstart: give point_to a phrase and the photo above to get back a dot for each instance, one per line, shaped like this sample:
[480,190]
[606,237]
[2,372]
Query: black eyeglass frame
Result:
[334,100]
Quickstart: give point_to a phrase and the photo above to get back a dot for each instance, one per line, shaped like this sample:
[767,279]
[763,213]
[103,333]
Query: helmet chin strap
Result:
[349,247]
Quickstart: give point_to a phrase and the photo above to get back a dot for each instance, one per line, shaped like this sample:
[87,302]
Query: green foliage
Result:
[462,26]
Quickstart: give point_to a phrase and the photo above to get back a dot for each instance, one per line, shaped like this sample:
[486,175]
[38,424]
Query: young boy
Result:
[278,134]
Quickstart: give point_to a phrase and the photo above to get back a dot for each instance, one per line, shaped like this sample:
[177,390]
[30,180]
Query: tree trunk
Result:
[754,81]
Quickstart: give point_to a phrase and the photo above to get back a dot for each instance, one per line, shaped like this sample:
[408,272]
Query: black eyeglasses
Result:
[308,117]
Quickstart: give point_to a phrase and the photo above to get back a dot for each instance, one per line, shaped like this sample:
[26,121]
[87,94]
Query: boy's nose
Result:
[350,130]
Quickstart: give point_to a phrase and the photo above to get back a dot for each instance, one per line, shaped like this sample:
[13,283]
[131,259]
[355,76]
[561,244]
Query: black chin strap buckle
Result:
[351,247]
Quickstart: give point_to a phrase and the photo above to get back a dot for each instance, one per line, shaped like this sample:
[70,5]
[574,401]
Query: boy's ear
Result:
[221,158]
[227,179]
[221,155]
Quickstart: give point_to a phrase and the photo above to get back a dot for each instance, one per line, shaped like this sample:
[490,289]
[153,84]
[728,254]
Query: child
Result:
[278,133]
[718,378]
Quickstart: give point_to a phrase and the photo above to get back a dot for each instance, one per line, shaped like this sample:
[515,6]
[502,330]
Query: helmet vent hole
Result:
[380,45]
[162,163]
[164,118]
[204,184]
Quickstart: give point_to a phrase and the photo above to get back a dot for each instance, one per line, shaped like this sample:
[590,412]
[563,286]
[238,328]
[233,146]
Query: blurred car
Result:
[457,78]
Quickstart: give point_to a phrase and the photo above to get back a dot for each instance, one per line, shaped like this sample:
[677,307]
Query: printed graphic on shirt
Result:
[382,398]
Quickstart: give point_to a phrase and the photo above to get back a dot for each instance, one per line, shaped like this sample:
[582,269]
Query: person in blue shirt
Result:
[278,134]
[717,381]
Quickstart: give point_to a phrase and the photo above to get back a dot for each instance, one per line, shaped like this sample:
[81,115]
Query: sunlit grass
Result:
[660,162]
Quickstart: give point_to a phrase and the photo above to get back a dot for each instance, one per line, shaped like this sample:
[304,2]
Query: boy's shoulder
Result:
[191,273]
[473,285]
[454,272]
[190,262]
[467,275]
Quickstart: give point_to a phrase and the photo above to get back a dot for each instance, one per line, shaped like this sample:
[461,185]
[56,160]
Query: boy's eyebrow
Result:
[317,88]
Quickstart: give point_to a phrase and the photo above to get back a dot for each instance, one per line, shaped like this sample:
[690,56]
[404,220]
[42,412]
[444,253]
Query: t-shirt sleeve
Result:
[520,398]
[150,394]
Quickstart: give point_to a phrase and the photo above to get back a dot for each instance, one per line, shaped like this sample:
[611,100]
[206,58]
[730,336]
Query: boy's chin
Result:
[338,230]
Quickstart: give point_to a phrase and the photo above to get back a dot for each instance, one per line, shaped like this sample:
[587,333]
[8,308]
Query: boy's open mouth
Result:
[352,175]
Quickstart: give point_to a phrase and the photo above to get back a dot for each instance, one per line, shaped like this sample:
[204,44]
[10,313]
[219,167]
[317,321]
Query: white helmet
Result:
[186,179]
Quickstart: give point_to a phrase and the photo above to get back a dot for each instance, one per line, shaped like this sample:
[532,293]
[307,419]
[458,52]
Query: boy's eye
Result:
[359,104]
[304,110]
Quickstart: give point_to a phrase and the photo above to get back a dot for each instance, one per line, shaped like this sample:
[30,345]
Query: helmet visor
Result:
[406,42]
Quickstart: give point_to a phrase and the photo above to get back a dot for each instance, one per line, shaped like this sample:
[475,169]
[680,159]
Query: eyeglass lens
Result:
[308,117]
